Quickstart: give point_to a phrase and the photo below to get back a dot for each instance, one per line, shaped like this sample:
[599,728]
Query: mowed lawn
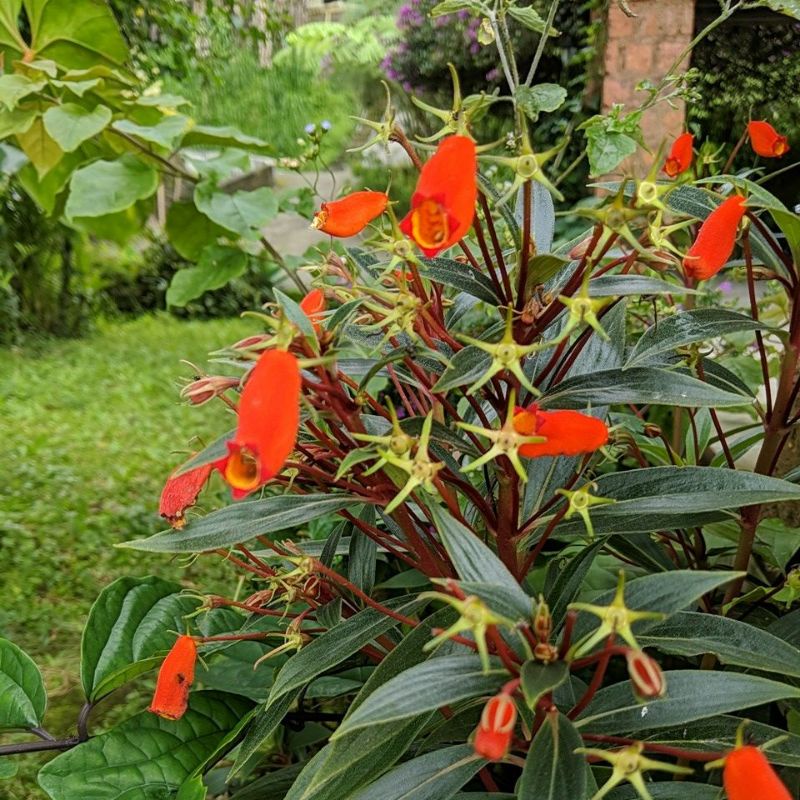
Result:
[89,431]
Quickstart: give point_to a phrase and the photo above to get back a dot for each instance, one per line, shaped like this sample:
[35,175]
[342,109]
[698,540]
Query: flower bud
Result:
[204,389]
[646,675]
[253,343]
[180,492]
[652,431]
[543,621]
[496,728]
[545,652]
[175,678]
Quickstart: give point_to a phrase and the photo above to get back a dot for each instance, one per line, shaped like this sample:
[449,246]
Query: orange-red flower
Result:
[313,304]
[443,204]
[749,776]
[269,418]
[496,728]
[568,432]
[766,141]
[175,678]
[180,492]
[350,214]
[680,155]
[714,243]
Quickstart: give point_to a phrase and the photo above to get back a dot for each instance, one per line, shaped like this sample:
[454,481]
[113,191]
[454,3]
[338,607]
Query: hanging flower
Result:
[748,775]
[269,418]
[443,204]
[313,304]
[180,492]
[680,155]
[496,728]
[175,678]
[567,433]
[350,214]
[766,141]
[714,243]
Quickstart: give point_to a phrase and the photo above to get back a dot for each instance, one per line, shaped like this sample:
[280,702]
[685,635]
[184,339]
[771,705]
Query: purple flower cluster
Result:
[409,16]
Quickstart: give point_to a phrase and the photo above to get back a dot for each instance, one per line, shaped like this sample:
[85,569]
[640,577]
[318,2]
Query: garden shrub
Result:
[491,518]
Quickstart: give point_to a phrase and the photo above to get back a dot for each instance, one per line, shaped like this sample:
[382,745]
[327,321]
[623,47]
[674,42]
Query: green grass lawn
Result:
[89,430]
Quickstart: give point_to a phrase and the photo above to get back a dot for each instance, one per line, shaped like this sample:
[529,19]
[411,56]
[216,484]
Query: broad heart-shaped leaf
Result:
[606,149]
[75,33]
[466,366]
[425,687]
[474,561]
[243,521]
[733,642]
[460,276]
[131,625]
[553,771]
[70,125]
[106,187]
[337,644]
[789,7]
[633,285]
[691,695]
[638,385]
[698,325]
[656,497]
[189,231]
[666,592]
[539,679]
[542,97]
[166,133]
[14,87]
[22,694]
[218,266]
[242,212]
[145,751]
[43,152]
[224,136]
[433,776]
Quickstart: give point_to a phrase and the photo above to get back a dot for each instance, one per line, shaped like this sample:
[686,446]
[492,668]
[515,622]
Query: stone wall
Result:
[645,47]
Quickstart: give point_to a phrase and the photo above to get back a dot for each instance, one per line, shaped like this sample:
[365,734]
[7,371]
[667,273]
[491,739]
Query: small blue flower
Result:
[310,128]
[326,125]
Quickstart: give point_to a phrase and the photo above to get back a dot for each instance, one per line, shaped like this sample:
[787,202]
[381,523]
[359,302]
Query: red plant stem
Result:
[264,612]
[566,639]
[498,250]
[723,441]
[751,290]
[342,582]
[597,680]
[651,747]
[488,780]
[487,258]
[531,559]
[228,556]
[525,255]
[256,560]
[399,136]
[778,250]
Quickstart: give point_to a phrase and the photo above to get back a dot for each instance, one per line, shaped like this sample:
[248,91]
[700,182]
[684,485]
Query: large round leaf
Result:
[22,694]
[106,187]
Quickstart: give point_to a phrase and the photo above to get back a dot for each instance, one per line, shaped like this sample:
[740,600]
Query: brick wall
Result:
[644,47]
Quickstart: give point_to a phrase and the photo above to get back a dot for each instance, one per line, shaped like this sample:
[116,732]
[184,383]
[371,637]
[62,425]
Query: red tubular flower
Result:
[714,243]
[180,492]
[493,736]
[680,155]
[313,304]
[350,214]
[766,141]
[749,776]
[646,675]
[443,204]
[269,418]
[175,678]
[568,433]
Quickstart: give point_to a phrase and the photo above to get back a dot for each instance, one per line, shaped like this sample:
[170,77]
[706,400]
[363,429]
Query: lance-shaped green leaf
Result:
[145,751]
[668,790]
[460,276]
[466,366]
[208,455]
[731,641]
[634,285]
[553,771]
[569,580]
[539,679]
[433,776]
[679,330]
[106,187]
[474,561]
[664,497]
[131,625]
[692,695]
[640,386]
[243,521]
[22,694]
[336,645]
[425,687]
